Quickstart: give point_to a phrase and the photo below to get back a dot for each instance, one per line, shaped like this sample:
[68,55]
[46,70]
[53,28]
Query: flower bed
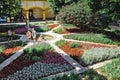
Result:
[22,29]
[53,26]
[8,49]
[112,70]
[4,38]
[48,63]
[77,49]
[99,38]
[95,55]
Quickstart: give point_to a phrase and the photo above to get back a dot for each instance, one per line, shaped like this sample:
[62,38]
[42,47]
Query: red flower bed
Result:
[23,61]
[76,53]
[11,50]
[72,51]
[53,26]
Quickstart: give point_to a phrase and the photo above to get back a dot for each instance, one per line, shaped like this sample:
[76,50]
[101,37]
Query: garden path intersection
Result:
[77,67]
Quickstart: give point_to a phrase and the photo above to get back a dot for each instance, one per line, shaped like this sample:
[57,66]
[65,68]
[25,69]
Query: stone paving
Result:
[78,68]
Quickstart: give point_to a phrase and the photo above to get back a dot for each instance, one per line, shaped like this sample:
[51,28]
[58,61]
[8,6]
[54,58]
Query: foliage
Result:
[60,42]
[99,38]
[59,30]
[66,77]
[76,13]
[93,75]
[10,7]
[44,28]
[38,49]
[112,70]
[38,70]
[2,47]
[56,5]
[1,59]
[35,58]
[75,44]
[108,9]
[95,55]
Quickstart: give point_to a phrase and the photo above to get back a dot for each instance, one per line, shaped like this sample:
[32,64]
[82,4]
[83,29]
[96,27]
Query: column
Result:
[27,14]
[27,11]
[44,8]
[44,15]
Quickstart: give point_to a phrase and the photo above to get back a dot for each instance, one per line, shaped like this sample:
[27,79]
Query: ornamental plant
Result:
[2,47]
[66,77]
[60,42]
[98,38]
[38,49]
[75,45]
[44,28]
[59,30]
[38,70]
[93,75]
[76,13]
[95,55]
[112,70]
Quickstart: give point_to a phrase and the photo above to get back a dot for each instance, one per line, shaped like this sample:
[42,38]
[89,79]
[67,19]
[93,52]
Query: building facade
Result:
[36,9]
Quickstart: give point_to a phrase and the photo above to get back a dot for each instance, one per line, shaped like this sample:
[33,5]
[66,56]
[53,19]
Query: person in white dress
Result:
[33,34]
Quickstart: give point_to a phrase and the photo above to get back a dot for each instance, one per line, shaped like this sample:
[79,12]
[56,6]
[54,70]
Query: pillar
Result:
[27,14]
[44,8]
[27,11]
[44,15]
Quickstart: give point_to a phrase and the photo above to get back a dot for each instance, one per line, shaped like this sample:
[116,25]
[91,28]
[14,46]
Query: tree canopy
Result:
[10,7]
[56,5]
[110,8]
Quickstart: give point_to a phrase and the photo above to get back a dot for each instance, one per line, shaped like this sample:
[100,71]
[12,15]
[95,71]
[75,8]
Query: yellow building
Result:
[37,8]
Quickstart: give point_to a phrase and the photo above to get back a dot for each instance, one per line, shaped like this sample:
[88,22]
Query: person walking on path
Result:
[9,33]
[33,34]
[28,35]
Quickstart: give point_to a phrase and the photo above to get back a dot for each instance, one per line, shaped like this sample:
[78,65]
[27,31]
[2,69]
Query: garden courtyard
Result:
[60,52]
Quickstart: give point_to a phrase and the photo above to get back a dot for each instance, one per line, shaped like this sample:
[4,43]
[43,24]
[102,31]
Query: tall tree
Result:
[10,7]
[56,5]
[110,8]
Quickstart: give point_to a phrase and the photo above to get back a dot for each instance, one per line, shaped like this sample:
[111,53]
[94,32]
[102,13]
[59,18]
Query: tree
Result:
[56,5]
[109,8]
[10,7]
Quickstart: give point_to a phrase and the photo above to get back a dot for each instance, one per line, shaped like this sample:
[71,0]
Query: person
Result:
[9,33]
[33,34]
[28,34]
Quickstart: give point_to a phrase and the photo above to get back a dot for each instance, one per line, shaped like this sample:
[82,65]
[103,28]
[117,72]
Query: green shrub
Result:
[1,59]
[44,28]
[59,30]
[112,70]
[2,47]
[76,13]
[75,44]
[66,77]
[38,49]
[95,55]
[99,38]
[35,58]
[19,43]
[93,75]
[60,43]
